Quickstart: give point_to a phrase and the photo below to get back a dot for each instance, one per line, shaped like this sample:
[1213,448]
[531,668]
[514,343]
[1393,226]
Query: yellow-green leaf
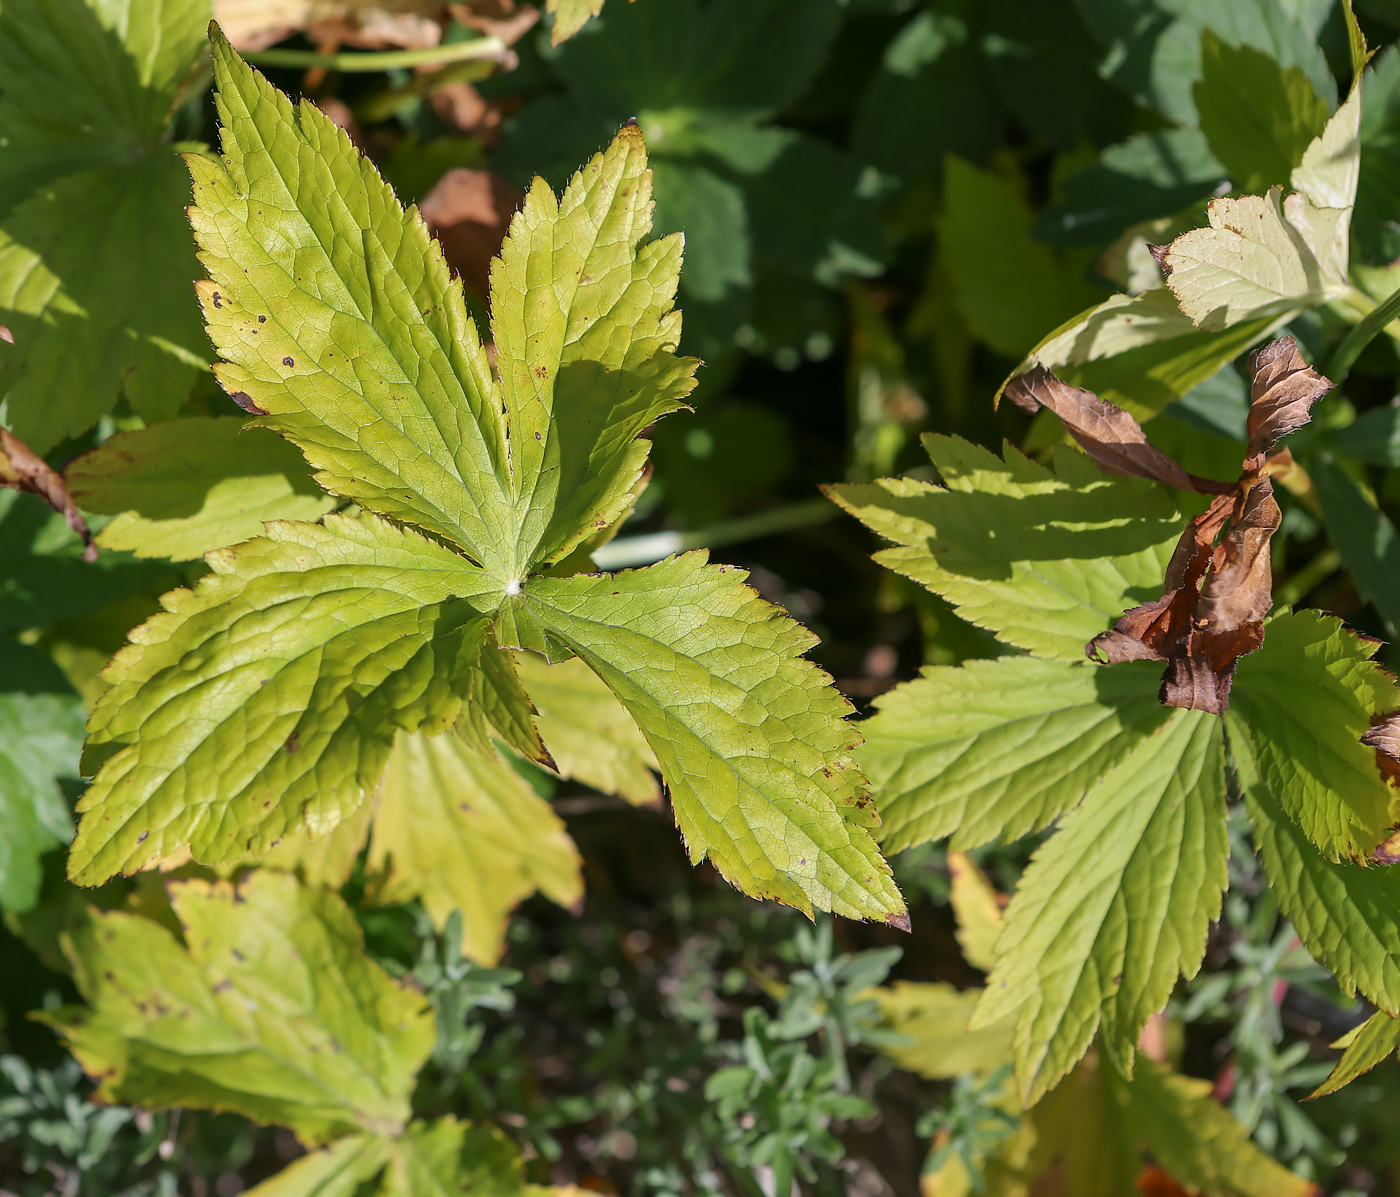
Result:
[935,1017]
[271,1009]
[182,488]
[588,732]
[465,832]
[1375,1040]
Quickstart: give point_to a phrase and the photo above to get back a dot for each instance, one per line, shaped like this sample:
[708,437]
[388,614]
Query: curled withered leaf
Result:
[1384,737]
[1107,433]
[1283,389]
[23,469]
[6,335]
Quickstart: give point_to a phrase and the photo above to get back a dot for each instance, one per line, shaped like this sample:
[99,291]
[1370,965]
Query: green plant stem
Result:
[643,550]
[1313,574]
[1361,334]
[385,60]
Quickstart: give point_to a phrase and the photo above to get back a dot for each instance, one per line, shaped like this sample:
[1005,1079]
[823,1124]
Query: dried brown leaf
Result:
[23,469]
[469,212]
[6,335]
[1283,390]
[1107,433]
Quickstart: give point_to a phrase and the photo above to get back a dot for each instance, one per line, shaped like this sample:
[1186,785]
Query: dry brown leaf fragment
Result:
[1283,390]
[24,470]
[1216,595]
[6,335]
[469,212]
[1104,431]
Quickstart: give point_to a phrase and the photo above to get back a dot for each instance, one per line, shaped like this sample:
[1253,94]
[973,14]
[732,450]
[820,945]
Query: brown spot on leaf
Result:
[287,361]
[293,743]
[245,401]
[218,300]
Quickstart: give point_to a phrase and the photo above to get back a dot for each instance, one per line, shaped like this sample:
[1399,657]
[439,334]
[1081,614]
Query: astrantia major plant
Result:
[267,699]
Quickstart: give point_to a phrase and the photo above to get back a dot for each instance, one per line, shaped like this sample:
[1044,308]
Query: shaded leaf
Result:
[994,750]
[273,692]
[1114,906]
[40,738]
[1363,534]
[451,1157]
[1036,556]
[1259,117]
[461,831]
[272,1010]
[753,744]
[182,488]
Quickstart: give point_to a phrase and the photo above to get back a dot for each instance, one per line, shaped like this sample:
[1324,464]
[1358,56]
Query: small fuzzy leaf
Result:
[590,736]
[1114,906]
[752,742]
[273,1011]
[1045,560]
[267,698]
[337,1170]
[994,750]
[1197,1140]
[935,1016]
[464,832]
[1303,702]
[182,488]
[1376,1040]
[1347,916]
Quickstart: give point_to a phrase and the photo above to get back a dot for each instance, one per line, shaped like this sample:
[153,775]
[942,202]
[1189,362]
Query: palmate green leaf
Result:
[40,738]
[1045,560]
[357,297]
[95,254]
[751,740]
[1258,116]
[1196,1139]
[182,488]
[1303,701]
[1374,1041]
[462,831]
[1347,916]
[1114,906]
[994,750]
[267,698]
[589,735]
[271,1009]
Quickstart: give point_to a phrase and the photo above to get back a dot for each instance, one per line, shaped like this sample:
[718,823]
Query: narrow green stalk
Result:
[1313,574]
[1360,336]
[643,550]
[384,60]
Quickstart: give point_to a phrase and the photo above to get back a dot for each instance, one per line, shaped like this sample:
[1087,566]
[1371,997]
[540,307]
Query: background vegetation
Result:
[887,204]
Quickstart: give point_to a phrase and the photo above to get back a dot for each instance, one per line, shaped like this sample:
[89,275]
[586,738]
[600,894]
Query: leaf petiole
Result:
[1361,335]
[384,60]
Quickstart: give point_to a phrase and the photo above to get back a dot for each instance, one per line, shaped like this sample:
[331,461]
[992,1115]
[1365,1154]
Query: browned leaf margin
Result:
[1219,584]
